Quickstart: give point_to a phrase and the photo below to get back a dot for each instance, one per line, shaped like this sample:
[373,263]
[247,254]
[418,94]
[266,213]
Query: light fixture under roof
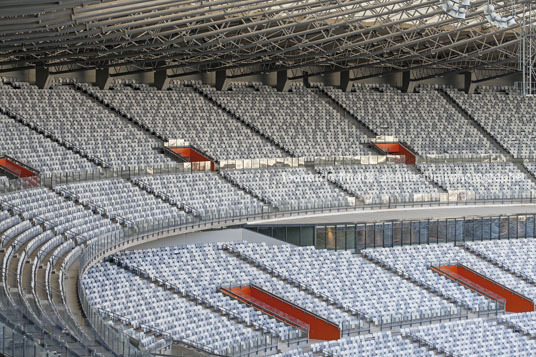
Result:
[456,8]
[497,20]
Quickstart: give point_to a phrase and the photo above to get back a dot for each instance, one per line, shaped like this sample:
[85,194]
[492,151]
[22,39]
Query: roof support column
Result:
[103,78]
[283,83]
[469,86]
[43,79]
[408,86]
[222,83]
[161,79]
[344,80]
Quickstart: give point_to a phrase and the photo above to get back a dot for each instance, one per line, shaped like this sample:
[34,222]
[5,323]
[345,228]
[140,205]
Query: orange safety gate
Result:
[515,302]
[319,328]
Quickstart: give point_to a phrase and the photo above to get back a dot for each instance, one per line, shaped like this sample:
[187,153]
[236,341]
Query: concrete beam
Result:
[344,80]
[43,79]
[283,83]
[103,78]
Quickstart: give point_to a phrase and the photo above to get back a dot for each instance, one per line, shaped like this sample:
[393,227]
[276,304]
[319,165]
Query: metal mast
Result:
[527,56]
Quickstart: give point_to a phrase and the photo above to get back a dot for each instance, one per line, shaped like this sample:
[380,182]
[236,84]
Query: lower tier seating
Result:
[377,294]
[476,337]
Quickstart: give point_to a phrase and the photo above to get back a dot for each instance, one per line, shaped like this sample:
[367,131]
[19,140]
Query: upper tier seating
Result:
[486,180]
[350,281]
[141,303]
[425,121]
[517,256]
[293,188]
[201,270]
[119,198]
[382,344]
[206,192]
[37,151]
[524,322]
[298,120]
[414,262]
[396,181]
[506,115]
[184,114]
[76,119]
[477,337]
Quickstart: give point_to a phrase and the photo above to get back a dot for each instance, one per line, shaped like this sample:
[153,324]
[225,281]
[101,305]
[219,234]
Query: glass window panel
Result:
[504,221]
[360,234]
[379,235]
[397,233]
[459,230]
[388,234]
[432,231]
[341,238]
[280,233]
[406,233]
[451,230]
[350,238]
[512,227]
[371,235]
[442,231]
[521,221]
[495,227]
[330,237]
[477,229]
[486,228]
[468,230]
[415,232]
[320,237]
[424,232]
[529,227]
[307,236]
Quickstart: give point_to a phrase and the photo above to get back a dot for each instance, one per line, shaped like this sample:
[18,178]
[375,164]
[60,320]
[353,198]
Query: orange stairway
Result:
[397,149]
[513,301]
[189,154]
[283,310]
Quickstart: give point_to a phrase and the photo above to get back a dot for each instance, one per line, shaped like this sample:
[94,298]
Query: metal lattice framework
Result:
[370,37]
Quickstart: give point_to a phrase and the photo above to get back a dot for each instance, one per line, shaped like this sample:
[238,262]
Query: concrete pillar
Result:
[408,86]
[103,78]
[283,84]
[469,86]
[43,79]
[161,79]
[344,80]
[222,83]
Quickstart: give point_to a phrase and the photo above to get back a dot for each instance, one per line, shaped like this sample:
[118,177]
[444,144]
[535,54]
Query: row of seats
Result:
[206,192]
[517,256]
[350,281]
[299,120]
[76,119]
[397,182]
[182,113]
[143,305]
[123,200]
[486,180]
[506,115]
[524,322]
[383,344]
[201,270]
[425,120]
[293,188]
[414,263]
[477,337]
[37,151]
